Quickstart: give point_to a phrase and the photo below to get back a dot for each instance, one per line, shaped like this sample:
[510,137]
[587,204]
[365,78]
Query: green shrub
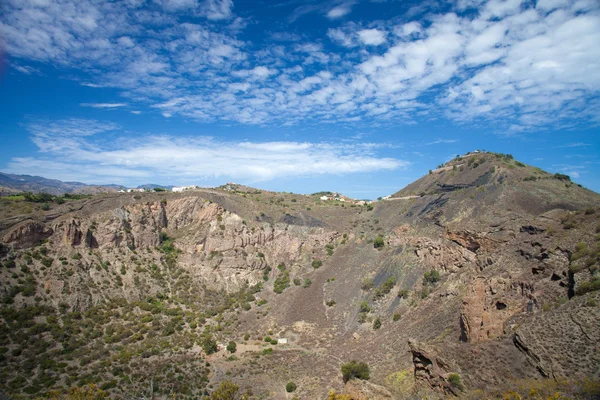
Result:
[367,284]
[590,286]
[267,351]
[403,293]
[317,263]
[231,347]
[454,380]
[377,323]
[226,391]
[385,288]
[290,387]
[330,303]
[562,177]
[396,316]
[307,283]
[282,282]
[355,369]
[431,277]
[378,242]
[364,307]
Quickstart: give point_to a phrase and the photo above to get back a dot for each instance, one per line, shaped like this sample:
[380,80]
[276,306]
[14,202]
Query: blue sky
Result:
[361,97]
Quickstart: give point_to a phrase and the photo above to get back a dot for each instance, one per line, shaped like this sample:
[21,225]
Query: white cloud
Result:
[371,37]
[340,11]
[520,66]
[24,69]
[70,153]
[104,105]
[218,9]
[340,37]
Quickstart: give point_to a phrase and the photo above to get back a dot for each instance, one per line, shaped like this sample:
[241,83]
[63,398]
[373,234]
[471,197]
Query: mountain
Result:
[479,280]
[10,184]
[151,186]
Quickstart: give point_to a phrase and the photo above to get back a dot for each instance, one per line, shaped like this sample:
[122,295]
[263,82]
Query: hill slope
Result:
[480,279]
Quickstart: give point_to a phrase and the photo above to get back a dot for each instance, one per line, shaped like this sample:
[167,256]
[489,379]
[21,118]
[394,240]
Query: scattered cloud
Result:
[92,85]
[104,105]
[27,70]
[516,65]
[439,141]
[340,11]
[372,37]
[568,145]
[76,149]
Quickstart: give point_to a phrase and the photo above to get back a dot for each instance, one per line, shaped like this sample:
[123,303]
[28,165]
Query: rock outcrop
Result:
[431,368]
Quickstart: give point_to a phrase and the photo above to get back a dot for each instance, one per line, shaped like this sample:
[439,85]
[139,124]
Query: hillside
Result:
[478,279]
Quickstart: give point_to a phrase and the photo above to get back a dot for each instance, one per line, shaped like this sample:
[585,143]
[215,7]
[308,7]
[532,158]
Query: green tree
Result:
[355,369]
[231,347]
[378,242]
[209,345]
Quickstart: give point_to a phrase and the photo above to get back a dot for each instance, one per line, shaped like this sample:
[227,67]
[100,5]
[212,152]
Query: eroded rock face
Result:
[214,245]
[489,303]
[471,241]
[431,368]
[27,234]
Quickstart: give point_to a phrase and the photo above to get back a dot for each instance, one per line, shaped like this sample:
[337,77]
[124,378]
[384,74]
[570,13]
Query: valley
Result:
[479,280]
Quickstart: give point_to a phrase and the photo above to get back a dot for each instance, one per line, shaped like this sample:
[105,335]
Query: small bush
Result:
[267,351]
[367,284]
[396,316]
[377,323]
[364,307]
[454,380]
[431,277]
[562,177]
[378,242]
[290,387]
[317,263]
[354,369]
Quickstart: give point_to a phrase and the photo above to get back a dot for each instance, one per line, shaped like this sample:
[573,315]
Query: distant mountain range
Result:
[10,183]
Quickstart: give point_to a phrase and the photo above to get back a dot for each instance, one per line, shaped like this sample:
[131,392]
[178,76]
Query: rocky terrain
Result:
[479,280]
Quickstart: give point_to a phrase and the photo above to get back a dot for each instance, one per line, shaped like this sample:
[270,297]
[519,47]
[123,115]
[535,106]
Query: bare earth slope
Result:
[484,279]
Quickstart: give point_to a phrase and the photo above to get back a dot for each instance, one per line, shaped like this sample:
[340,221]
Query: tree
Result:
[378,242]
[226,391]
[355,369]
[209,345]
[231,347]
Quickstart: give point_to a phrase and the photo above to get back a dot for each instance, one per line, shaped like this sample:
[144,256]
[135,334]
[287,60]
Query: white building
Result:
[324,198]
[182,188]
